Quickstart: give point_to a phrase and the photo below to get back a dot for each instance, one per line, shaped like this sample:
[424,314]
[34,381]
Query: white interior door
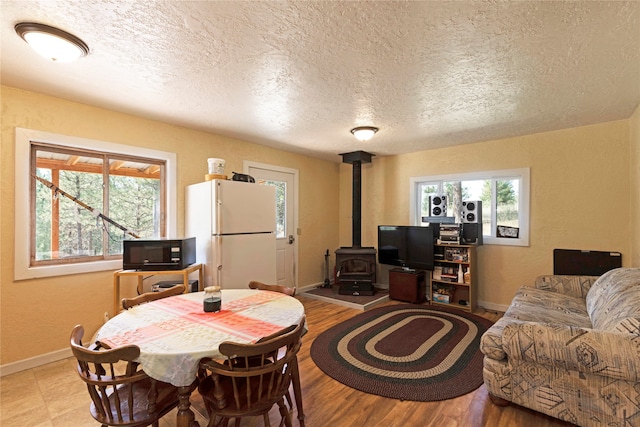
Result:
[286,182]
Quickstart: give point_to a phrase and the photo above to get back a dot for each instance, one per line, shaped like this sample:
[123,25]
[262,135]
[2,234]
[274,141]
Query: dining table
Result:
[175,333]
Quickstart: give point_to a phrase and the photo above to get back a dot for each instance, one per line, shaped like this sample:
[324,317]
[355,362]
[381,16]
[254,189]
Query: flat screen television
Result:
[410,247]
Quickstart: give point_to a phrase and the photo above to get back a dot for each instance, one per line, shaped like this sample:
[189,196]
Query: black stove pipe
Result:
[356,158]
[356,208]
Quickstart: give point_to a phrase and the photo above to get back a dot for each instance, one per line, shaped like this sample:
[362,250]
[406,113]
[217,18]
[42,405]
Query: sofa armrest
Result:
[577,286]
[609,354]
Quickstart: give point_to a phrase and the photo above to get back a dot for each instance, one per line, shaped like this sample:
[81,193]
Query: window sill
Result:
[26,272]
[495,241]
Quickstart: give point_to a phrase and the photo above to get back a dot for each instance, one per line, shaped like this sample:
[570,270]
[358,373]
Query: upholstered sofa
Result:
[569,347]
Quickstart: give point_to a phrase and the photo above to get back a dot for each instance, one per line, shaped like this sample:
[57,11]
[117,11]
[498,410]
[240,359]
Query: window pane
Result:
[507,203]
[472,190]
[134,203]
[426,190]
[80,230]
[43,207]
[504,195]
[78,233]
[73,219]
[455,196]
[480,190]
[281,207]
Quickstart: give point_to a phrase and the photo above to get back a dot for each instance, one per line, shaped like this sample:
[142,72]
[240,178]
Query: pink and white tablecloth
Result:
[175,333]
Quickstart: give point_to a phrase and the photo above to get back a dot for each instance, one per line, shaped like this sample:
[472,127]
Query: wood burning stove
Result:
[355,265]
[356,270]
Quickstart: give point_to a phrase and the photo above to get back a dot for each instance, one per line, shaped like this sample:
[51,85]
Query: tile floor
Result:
[52,395]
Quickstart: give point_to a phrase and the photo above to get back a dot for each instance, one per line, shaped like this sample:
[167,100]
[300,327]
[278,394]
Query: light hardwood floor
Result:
[52,395]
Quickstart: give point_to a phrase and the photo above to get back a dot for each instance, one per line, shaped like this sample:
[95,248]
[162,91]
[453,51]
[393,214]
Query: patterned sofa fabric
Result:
[613,302]
[592,351]
[535,305]
[576,286]
[582,399]
[570,348]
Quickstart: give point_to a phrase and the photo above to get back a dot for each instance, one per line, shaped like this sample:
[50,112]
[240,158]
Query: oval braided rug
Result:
[407,352]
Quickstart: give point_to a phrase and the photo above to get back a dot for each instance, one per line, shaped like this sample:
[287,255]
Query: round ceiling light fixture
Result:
[52,43]
[364,133]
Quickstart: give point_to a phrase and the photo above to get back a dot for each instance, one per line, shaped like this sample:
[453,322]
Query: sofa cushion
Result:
[613,302]
[577,286]
[535,305]
[539,305]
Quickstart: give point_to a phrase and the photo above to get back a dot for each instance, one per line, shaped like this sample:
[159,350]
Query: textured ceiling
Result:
[299,75]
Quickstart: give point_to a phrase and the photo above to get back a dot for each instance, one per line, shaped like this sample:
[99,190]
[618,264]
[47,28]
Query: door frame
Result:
[246,164]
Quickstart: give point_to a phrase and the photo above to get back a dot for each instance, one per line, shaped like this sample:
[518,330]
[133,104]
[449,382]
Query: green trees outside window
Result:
[127,190]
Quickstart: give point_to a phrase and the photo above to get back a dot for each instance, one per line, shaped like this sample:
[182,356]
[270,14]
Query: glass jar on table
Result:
[212,299]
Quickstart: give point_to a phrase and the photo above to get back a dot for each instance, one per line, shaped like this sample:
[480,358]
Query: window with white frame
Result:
[504,195]
[87,202]
[78,199]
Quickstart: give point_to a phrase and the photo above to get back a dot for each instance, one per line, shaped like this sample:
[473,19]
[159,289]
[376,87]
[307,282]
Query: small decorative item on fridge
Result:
[215,167]
[212,299]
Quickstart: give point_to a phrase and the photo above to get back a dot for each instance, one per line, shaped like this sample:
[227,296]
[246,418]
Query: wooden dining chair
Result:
[152,296]
[121,393]
[274,288]
[296,376]
[239,386]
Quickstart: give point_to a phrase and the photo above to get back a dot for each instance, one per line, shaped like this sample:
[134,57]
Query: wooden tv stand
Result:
[407,285]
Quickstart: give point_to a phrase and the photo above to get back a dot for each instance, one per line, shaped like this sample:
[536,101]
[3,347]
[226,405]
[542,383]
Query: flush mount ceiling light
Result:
[52,43]
[364,133]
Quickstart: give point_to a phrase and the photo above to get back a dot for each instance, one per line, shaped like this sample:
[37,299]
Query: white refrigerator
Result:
[234,225]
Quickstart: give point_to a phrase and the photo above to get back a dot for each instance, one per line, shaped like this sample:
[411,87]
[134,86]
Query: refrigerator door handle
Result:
[219,279]
[218,215]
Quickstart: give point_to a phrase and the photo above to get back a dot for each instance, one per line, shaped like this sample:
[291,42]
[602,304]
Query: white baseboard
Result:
[34,362]
[307,288]
[493,307]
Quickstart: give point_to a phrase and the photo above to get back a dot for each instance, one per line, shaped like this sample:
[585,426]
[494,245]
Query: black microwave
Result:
[158,254]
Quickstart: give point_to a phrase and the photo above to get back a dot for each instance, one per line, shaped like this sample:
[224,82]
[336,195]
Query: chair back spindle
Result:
[252,378]
[121,393]
[127,303]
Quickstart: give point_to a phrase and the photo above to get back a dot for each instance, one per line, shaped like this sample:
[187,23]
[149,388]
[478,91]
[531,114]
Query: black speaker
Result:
[472,222]
[472,233]
[437,205]
[472,211]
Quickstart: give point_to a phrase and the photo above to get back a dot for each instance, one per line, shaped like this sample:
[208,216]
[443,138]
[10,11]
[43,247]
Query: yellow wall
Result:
[580,188]
[634,195]
[585,191]
[37,316]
